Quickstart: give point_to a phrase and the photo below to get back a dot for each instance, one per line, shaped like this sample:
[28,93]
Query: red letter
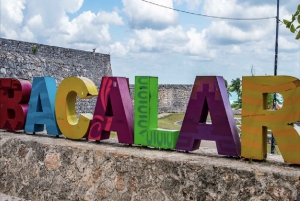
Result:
[14,97]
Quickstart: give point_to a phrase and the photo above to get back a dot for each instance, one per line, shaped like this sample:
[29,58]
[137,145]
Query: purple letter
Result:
[209,94]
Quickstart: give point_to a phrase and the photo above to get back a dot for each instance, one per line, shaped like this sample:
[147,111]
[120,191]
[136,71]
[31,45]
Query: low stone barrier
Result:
[39,167]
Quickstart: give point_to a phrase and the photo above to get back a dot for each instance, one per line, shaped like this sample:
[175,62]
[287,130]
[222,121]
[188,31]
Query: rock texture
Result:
[45,168]
[172,98]
[4,197]
[17,60]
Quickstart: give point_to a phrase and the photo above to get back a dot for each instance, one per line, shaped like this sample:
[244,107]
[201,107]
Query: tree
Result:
[292,24]
[236,86]
[227,88]
[270,99]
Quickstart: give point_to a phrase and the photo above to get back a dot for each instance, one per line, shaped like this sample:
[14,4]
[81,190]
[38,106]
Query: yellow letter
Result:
[67,121]
[256,118]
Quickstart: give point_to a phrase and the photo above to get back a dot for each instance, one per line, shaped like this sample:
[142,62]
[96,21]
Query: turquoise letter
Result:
[41,106]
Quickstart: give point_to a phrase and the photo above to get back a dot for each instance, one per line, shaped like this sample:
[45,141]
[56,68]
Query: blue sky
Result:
[144,39]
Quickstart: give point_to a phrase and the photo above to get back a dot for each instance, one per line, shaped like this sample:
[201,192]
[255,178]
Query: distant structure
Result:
[17,59]
[26,60]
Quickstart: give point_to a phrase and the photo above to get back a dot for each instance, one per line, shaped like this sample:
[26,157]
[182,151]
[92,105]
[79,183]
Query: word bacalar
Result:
[30,107]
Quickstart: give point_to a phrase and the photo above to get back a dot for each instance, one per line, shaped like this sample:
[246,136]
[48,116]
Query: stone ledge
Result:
[46,168]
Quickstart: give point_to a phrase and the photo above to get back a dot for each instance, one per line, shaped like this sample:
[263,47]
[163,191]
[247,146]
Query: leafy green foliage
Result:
[234,105]
[227,88]
[291,24]
[34,49]
[236,86]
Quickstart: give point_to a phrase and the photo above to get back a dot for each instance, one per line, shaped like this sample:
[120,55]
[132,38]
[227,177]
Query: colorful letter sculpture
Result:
[113,111]
[14,97]
[41,109]
[209,95]
[256,118]
[68,123]
[145,115]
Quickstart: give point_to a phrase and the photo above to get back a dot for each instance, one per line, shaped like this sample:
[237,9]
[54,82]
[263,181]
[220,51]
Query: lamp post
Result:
[275,72]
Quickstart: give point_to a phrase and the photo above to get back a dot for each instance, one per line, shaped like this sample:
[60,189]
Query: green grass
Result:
[168,121]
[113,134]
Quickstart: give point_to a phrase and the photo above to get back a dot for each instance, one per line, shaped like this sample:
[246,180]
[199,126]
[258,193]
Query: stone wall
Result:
[17,60]
[171,97]
[47,168]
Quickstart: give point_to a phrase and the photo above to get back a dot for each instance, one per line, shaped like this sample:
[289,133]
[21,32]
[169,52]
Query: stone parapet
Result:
[46,168]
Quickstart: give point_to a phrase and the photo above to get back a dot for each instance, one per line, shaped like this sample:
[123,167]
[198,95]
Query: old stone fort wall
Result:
[17,60]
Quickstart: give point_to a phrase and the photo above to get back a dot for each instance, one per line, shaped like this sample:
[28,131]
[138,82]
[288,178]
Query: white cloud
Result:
[12,11]
[222,33]
[244,31]
[26,34]
[90,30]
[11,17]
[233,32]
[36,23]
[37,18]
[192,4]
[117,49]
[109,18]
[286,45]
[84,29]
[221,7]
[160,40]
[234,8]
[51,11]
[144,15]
[47,22]
[234,49]
[72,6]
[172,40]
[196,44]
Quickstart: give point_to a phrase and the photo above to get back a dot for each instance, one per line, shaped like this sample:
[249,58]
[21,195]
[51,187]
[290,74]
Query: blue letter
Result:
[41,109]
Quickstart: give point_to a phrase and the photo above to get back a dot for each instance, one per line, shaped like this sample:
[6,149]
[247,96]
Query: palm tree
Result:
[227,88]
[236,86]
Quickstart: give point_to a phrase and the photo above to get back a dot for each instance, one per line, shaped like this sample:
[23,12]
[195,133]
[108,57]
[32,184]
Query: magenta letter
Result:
[113,111]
